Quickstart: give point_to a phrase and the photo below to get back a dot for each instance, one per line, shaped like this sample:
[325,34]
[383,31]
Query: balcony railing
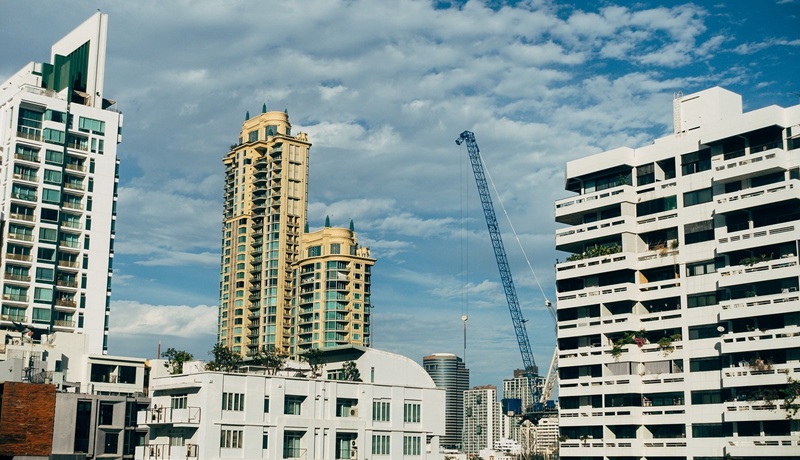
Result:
[168,416]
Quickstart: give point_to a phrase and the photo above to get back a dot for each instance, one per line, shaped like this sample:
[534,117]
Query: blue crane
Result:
[502,263]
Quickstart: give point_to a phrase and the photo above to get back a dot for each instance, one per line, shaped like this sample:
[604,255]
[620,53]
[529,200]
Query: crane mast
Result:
[529,364]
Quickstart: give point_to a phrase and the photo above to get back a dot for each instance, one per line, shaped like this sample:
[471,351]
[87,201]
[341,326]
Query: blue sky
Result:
[383,89]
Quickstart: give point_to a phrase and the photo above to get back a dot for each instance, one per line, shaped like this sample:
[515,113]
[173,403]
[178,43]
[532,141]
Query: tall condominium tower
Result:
[332,290]
[678,307]
[282,286]
[447,371]
[266,181]
[58,144]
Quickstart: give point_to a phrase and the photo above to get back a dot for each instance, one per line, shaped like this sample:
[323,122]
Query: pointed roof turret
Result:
[327,221]
[247,115]
[352,226]
[264,108]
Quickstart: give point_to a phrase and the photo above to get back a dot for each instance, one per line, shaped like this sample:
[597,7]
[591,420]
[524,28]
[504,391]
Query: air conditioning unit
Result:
[353,450]
[353,412]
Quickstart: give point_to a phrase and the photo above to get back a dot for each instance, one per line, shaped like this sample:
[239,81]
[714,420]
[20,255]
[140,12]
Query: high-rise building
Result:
[58,144]
[482,419]
[266,182]
[280,285]
[678,307]
[447,371]
[332,289]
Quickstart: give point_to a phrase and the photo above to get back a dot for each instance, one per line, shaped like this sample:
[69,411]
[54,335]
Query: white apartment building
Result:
[394,412]
[483,423]
[678,308]
[58,190]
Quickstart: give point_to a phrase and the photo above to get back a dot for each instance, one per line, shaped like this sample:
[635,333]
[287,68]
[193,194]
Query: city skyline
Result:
[382,92]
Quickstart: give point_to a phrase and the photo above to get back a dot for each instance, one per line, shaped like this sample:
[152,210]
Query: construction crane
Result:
[502,263]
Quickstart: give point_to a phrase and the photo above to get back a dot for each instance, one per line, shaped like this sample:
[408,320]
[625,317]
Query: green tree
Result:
[350,372]
[175,359]
[314,359]
[269,357]
[225,359]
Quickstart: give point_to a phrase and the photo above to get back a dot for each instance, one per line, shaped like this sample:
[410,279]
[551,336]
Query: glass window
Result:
[380,444]
[230,438]
[52,177]
[292,404]
[51,196]
[697,197]
[54,157]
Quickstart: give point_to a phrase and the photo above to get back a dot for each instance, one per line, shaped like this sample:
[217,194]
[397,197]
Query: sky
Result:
[383,89]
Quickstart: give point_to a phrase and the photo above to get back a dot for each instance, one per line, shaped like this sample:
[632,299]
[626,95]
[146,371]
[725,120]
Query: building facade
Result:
[448,372]
[266,182]
[59,176]
[280,285]
[678,307]
[394,412]
[332,290]
[482,419]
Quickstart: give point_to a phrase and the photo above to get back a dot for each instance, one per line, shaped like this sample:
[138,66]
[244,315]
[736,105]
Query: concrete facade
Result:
[394,412]
[59,176]
[678,323]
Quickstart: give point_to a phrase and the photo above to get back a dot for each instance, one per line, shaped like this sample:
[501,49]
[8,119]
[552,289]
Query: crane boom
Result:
[502,261]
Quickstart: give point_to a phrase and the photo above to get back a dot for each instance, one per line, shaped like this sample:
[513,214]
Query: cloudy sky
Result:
[383,89]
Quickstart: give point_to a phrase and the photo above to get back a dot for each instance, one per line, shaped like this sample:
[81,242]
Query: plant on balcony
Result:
[638,337]
[674,244]
[750,261]
[596,251]
[665,343]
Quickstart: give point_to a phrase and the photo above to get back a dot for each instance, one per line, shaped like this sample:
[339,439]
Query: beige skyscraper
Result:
[266,182]
[280,285]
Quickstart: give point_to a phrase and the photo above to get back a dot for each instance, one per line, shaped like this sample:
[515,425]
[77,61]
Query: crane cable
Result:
[514,231]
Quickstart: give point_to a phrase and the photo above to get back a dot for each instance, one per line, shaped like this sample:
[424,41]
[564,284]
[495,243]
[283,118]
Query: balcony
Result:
[758,271]
[166,452]
[583,203]
[19,257]
[168,416]
[594,230]
[762,447]
[596,294]
[758,375]
[758,196]
[16,277]
[742,342]
[15,297]
[746,411]
[783,303]
[771,234]
[773,159]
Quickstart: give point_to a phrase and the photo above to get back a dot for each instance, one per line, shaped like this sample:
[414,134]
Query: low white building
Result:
[395,412]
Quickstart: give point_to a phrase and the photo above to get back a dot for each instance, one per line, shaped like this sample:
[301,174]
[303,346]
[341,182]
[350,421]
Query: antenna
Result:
[464,318]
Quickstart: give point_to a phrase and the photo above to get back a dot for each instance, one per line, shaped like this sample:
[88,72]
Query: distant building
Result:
[396,411]
[59,177]
[448,372]
[678,323]
[482,419]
